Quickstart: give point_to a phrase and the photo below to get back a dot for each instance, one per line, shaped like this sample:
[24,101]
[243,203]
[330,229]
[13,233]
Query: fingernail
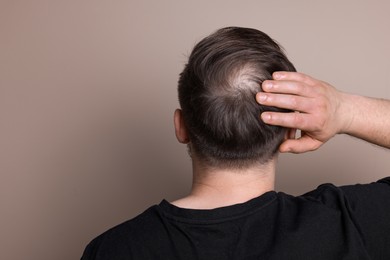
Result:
[261,97]
[277,75]
[265,117]
[268,85]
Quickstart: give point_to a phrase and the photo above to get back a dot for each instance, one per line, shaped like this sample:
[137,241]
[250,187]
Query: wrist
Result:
[347,113]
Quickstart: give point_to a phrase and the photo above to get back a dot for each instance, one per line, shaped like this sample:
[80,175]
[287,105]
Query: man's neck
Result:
[214,188]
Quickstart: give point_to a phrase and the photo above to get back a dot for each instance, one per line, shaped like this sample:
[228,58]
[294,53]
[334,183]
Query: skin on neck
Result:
[219,187]
[214,188]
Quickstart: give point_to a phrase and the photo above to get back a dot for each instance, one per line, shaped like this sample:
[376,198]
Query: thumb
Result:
[301,145]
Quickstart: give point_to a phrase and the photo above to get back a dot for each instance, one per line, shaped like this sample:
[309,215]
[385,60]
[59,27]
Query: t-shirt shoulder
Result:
[331,195]
[114,239]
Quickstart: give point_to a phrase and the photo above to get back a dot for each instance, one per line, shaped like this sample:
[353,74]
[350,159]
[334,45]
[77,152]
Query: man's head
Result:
[217,91]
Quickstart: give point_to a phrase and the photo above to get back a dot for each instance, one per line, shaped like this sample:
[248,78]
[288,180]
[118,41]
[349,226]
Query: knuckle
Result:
[295,87]
[315,146]
[298,120]
[318,124]
[304,77]
[294,102]
[322,106]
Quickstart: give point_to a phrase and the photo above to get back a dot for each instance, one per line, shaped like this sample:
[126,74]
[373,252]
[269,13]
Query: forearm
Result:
[367,119]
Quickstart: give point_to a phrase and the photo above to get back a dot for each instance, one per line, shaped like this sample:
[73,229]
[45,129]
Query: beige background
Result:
[87,92]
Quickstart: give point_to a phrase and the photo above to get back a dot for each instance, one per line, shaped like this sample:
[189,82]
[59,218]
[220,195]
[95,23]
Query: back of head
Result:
[217,91]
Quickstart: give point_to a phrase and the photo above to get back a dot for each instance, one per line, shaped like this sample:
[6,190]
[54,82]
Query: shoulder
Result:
[349,197]
[115,242]
[328,192]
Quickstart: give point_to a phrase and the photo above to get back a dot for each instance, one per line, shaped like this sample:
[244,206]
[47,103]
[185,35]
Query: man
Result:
[232,211]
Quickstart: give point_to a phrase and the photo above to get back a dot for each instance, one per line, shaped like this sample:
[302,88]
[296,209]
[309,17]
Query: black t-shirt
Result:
[348,222]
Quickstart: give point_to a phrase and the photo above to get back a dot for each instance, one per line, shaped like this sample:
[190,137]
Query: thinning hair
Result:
[217,91]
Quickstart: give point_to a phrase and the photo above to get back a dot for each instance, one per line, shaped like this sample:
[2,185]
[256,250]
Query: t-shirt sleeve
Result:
[369,206]
[90,250]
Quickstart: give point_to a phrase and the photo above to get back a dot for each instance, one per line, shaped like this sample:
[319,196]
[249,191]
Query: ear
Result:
[180,127]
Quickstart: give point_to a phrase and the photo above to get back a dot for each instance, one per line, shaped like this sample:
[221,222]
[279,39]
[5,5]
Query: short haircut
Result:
[217,91]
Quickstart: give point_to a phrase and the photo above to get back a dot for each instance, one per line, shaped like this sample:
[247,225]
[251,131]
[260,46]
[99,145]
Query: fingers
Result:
[293,76]
[293,88]
[301,145]
[294,83]
[317,102]
[292,102]
[289,120]
[286,87]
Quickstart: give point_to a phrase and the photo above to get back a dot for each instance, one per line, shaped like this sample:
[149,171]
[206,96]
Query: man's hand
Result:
[319,111]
